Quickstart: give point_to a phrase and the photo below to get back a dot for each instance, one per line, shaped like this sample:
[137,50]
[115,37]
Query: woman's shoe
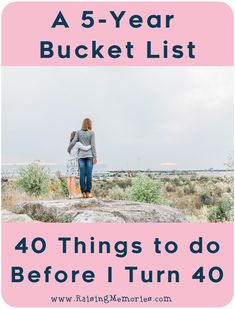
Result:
[89,195]
[84,195]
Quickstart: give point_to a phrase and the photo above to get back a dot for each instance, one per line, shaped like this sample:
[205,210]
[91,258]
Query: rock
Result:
[91,216]
[8,216]
[126,211]
[93,210]
[53,210]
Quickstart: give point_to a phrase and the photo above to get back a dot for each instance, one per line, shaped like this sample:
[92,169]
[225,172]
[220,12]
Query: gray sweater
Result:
[86,138]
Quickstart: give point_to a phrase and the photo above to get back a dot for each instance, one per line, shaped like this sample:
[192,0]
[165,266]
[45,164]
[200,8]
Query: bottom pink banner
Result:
[72,265]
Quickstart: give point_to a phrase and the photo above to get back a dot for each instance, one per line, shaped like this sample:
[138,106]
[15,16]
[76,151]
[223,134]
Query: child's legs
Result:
[73,185]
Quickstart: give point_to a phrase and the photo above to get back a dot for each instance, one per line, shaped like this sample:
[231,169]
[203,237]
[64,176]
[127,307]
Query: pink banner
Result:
[34,272]
[117,33]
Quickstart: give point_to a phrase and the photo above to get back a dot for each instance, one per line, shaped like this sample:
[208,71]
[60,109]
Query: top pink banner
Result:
[117,33]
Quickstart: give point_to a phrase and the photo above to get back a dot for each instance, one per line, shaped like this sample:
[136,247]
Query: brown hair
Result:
[72,136]
[87,124]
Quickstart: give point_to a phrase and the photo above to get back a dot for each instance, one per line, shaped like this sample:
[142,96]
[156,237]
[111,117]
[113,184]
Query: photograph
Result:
[104,144]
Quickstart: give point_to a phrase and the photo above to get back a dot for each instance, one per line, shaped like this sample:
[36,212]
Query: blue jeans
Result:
[85,167]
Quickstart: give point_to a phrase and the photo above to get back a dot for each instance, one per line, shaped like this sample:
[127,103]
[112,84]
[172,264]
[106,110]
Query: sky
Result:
[143,117]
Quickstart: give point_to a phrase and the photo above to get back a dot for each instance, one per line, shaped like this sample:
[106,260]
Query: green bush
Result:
[193,178]
[223,210]
[178,181]
[186,181]
[34,179]
[203,178]
[206,198]
[145,189]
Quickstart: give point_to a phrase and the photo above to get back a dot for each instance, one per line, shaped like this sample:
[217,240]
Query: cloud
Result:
[142,116]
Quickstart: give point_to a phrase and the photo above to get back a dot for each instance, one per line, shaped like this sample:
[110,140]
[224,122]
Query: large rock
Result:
[93,210]
[8,216]
[53,210]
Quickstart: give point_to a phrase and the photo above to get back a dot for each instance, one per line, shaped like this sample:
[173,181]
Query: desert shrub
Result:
[193,178]
[228,179]
[165,179]
[170,187]
[145,189]
[44,217]
[219,189]
[59,186]
[186,181]
[193,188]
[202,178]
[190,188]
[34,179]
[101,188]
[124,183]
[186,189]
[117,193]
[11,194]
[206,198]
[199,215]
[223,210]
[178,182]
[98,190]
[180,192]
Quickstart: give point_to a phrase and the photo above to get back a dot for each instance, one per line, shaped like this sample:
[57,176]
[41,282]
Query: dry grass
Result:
[12,195]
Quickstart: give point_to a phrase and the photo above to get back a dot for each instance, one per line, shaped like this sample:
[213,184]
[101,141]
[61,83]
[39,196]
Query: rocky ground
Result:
[9,216]
[91,211]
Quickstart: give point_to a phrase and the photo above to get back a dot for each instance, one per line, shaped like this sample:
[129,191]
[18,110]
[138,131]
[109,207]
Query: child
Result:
[72,165]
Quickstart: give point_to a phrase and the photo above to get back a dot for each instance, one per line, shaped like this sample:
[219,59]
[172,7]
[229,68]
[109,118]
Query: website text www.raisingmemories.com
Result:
[109,298]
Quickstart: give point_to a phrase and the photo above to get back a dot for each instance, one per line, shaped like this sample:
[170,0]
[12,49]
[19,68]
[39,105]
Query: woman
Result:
[86,159]
[72,165]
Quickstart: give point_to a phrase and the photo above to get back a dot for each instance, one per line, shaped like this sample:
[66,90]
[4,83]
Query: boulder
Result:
[53,210]
[93,210]
[8,216]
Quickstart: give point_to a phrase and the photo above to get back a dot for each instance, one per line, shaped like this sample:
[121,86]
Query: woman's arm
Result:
[74,141]
[83,147]
[93,148]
